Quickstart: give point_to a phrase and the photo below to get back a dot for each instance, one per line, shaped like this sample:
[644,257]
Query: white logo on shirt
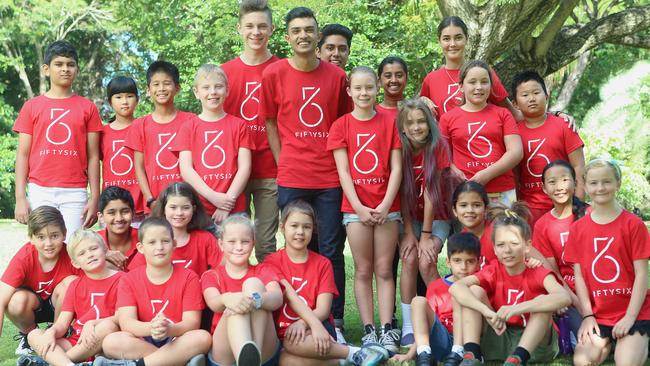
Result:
[601,254]
[158,306]
[250,95]
[93,305]
[212,144]
[535,152]
[164,145]
[181,261]
[364,147]
[302,283]
[308,102]
[117,152]
[452,95]
[514,295]
[420,177]
[474,136]
[57,121]
[563,238]
[43,285]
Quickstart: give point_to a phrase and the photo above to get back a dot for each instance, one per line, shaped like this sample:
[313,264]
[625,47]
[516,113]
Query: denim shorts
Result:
[506,197]
[440,340]
[350,217]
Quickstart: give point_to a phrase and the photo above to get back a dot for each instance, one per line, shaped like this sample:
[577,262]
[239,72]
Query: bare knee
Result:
[363,273]
[202,340]
[384,272]
[479,293]
[114,342]
[105,327]
[253,284]
[21,303]
[34,335]
[410,263]
[419,302]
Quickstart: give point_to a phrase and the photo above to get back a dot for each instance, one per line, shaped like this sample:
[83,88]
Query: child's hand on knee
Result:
[322,340]
[622,327]
[588,328]
[295,332]
[47,344]
[88,338]
[239,303]
[495,322]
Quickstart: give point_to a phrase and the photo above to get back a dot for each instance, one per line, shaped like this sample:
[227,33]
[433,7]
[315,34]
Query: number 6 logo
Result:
[165,146]
[250,95]
[118,153]
[362,149]
[452,95]
[212,144]
[600,255]
[308,101]
[58,121]
[534,154]
[475,136]
[302,286]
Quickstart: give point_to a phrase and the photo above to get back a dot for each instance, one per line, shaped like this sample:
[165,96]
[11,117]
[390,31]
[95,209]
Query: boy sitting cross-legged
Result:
[516,301]
[88,306]
[433,315]
[159,308]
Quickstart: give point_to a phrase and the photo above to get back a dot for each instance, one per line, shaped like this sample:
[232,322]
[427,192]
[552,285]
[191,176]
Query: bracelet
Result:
[587,316]
[150,201]
[426,232]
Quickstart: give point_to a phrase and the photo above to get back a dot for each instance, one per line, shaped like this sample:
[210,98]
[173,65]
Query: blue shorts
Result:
[440,340]
[158,342]
[350,217]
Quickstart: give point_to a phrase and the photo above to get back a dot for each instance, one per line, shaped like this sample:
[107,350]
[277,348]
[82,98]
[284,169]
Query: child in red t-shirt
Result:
[484,138]
[243,297]
[433,317]
[244,74]
[58,139]
[215,148]
[366,149]
[35,281]
[151,137]
[196,247]
[158,307]
[116,214]
[304,322]
[88,306]
[545,138]
[516,301]
[117,160]
[609,249]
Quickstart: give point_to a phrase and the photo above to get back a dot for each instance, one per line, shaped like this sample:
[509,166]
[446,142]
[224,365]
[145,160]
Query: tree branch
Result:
[634,41]
[19,66]
[545,39]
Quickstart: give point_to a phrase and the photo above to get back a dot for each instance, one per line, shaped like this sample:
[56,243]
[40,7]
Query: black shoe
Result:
[452,359]
[423,359]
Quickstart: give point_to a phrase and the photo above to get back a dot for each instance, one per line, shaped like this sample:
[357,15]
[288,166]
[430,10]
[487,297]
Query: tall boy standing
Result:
[58,146]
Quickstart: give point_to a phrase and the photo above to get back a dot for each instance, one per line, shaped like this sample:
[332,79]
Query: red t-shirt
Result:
[549,237]
[215,151]
[439,300]
[118,164]
[504,289]
[180,293]
[219,279]
[90,299]
[131,253]
[476,139]
[244,84]
[369,145]
[551,141]
[606,254]
[487,246]
[443,161]
[305,104]
[59,127]
[24,270]
[309,279]
[442,87]
[200,254]
[154,140]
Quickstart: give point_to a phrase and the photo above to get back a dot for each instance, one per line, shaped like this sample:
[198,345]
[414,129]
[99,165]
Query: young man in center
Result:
[301,98]
[334,45]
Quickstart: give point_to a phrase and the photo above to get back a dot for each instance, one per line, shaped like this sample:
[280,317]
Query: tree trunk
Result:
[19,66]
[42,80]
[571,83]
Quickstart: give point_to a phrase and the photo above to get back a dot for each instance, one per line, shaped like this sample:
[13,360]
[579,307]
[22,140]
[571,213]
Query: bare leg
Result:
[360,238]
[21,308]
[385,239]
[57,356]
[81,352]
[631,350]
[422,317]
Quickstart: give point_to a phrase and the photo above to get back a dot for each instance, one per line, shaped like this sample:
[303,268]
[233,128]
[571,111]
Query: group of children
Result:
[168,278]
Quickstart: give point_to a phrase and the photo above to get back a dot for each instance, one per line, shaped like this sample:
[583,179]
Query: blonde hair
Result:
[82,235]
[208,69]
[604,163]
[241,219]
[516,215]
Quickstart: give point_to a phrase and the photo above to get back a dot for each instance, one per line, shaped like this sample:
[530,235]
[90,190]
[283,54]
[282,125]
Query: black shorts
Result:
[45,311]
[640,326]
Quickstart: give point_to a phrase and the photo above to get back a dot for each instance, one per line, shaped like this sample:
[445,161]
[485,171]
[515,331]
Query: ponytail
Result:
[517,215]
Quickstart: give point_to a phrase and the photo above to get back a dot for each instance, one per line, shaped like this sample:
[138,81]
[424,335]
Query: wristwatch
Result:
[258,299]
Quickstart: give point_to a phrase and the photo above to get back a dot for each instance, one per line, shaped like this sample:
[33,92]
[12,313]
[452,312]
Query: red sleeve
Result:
[509,123]
[327,284]
[215,255]
[268,107]
[245,138]
[396,143]
[572,246]
[540,241]
[183,140]
[210,279]
[135,136]
[192,296]
[16,273]
[137,261]
[25,122]
[94,123]
[336,138]
[425,91]
[639,239]
[572,140]
[126,295]
[498,93]
[273,261]
[266,273]
[486,277]
[444,126]
[70,296]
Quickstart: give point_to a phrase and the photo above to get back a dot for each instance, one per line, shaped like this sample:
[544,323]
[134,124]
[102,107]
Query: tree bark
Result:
[19,66]
[571,83]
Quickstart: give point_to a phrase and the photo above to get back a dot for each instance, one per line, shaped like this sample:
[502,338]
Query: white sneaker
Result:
[339,336]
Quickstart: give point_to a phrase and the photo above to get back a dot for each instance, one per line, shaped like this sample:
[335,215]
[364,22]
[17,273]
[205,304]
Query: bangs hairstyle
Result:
[254,6]
[113,193]
[472,64]
[299,12]
[432,175]
[389,61]
[516,215]
[199,221]
[578,207]
[602,163]
[237,219]
[298,206]
[60,48]
[121,84]
[43,216]
[526,76]
[153,221]
[336,29]
[470,186]
[463,242]
[452,21]
[208,69]
[165,67]
[82,235]
[364,70]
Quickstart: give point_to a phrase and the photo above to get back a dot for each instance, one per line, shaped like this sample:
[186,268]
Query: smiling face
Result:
[510,247]
[476,86]
[297,229]
[559,184]
[393,80]
[179,211]
[48,242]
[531,99]
[303,35]
[416,127]
[157,246]
[117,217]
[237,243]
[601,185]
[255,29]
[211,90]
[452,41]
[89,255]
[162,88]
[470,210]
[62,71]
[124,104]
[335,50]
[363,89]
[462,264]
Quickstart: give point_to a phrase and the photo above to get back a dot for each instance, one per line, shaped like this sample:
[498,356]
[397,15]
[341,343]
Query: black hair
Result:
[524,76]
[112,193]
[121,84]
[455,21]
[463,242]
[470,186]
[199,221]
[336,29]
[299,12]
[578,206]
[154,221]
[60,48]
[253,6]
[43,216]
[165,67]
[392,60]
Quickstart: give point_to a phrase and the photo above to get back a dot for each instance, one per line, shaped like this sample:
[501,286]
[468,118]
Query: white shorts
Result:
[69,201]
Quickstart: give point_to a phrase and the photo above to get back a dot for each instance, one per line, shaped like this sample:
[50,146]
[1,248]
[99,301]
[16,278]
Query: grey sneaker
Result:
[370,336]
[370,355]
[23,348]
[389,338]
[103,361]
[30,360]
[339,336]
[249,355]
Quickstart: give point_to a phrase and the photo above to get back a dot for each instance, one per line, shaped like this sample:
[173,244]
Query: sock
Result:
[139,362]
[421,349]
[523,354]
[369,328]
[407,326]
[457,349]
[475,348]
[351,351]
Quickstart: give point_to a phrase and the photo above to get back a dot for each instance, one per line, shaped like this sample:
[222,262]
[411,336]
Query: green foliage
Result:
[8,142]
